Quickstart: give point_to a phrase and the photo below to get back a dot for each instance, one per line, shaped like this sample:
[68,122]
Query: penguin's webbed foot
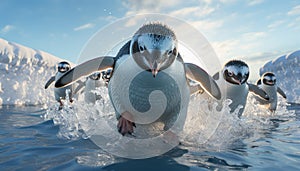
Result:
[125,124]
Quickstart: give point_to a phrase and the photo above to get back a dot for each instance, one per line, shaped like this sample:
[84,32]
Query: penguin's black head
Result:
[95,76]
[154,47]
[63,67]
[236,72]
[106,75]
[269,78]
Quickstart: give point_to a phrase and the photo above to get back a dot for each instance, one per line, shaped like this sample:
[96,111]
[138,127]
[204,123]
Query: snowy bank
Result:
[23,74]
[287,70]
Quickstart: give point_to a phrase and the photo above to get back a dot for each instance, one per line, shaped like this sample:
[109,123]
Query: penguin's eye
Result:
[142,48]
[230,74]
[170,52]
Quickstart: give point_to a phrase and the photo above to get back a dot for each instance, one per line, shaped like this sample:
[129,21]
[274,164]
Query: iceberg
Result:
[23,74]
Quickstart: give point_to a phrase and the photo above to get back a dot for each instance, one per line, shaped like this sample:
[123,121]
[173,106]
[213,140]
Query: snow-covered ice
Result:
[287,71]
[23,74]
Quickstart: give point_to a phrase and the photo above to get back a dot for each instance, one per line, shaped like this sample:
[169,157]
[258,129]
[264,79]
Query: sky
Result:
[254,31]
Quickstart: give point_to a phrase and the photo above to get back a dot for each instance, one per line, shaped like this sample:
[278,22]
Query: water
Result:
[258,141]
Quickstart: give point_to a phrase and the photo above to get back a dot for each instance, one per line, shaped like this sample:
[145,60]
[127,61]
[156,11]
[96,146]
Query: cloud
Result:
[294,11]
[197,11]
[295,24]
[6,29]
[263,56]
[275,24]
[207,24]
[255,2]
[148,6]
[227,1]
[225,49]
[83,27]
[253,36]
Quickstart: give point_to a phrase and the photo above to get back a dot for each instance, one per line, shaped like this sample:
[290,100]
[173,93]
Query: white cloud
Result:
[294,11]
[196,11]
[275,24]
[85,26]
[225,49]
[6,29]
[295,24]
[255,2]
[148,6]
[227,1]
[207,24]
[253,36]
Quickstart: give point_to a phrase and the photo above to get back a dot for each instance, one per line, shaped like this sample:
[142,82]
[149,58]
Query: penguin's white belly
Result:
[147,98]
[60,93]
[236,93]
[272,93]
[90,96]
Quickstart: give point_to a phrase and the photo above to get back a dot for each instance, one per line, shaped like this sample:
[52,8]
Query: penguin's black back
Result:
[125,50]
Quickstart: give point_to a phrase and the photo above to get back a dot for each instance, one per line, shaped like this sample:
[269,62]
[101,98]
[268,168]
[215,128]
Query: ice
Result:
[23,74]
[287,71]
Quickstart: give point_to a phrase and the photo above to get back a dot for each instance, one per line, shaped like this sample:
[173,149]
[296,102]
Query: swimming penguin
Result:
[232,81]
[60,93]
[267,82]
[106,75]
[148,62]
[92,82]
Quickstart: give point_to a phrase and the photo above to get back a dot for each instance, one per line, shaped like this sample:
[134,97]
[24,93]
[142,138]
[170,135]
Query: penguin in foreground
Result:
[233,83]
[148,62]
[267,82]
[60,93]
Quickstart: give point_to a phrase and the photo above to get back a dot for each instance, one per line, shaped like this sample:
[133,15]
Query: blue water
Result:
[29,142]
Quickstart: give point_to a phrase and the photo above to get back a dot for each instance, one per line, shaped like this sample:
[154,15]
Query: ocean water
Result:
[42,138]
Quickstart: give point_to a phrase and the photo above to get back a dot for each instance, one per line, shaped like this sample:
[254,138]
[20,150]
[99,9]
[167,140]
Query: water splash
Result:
[205,128]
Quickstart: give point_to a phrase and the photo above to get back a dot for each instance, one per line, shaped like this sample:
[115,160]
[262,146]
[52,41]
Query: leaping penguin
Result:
[233,83]
[60,93]
[149,61]
[267,82]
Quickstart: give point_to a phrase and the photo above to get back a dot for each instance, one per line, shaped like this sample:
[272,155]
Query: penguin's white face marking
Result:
[236,72]
[153,52]
[63,67]
[269,79]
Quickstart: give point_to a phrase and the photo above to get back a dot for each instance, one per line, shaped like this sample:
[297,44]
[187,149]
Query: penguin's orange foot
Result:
[125,124]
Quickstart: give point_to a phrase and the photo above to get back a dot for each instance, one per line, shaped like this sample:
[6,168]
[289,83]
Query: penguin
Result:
[91,83]
[106,75]
[232,80]
[148,62]
[60,93]
[267,82]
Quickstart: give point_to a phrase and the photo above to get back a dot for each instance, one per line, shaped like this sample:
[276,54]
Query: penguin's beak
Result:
[154,69]
[154,72]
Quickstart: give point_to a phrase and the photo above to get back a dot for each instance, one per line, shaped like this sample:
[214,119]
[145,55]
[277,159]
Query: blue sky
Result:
[255,31]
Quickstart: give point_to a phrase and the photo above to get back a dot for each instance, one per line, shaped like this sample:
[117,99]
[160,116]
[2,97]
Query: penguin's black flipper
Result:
[196,73]
[86,68]
[281,92]
[49,82]
[258,91]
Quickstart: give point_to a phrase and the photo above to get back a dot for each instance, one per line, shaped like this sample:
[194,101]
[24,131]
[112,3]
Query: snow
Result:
[287,70]
[23,74]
